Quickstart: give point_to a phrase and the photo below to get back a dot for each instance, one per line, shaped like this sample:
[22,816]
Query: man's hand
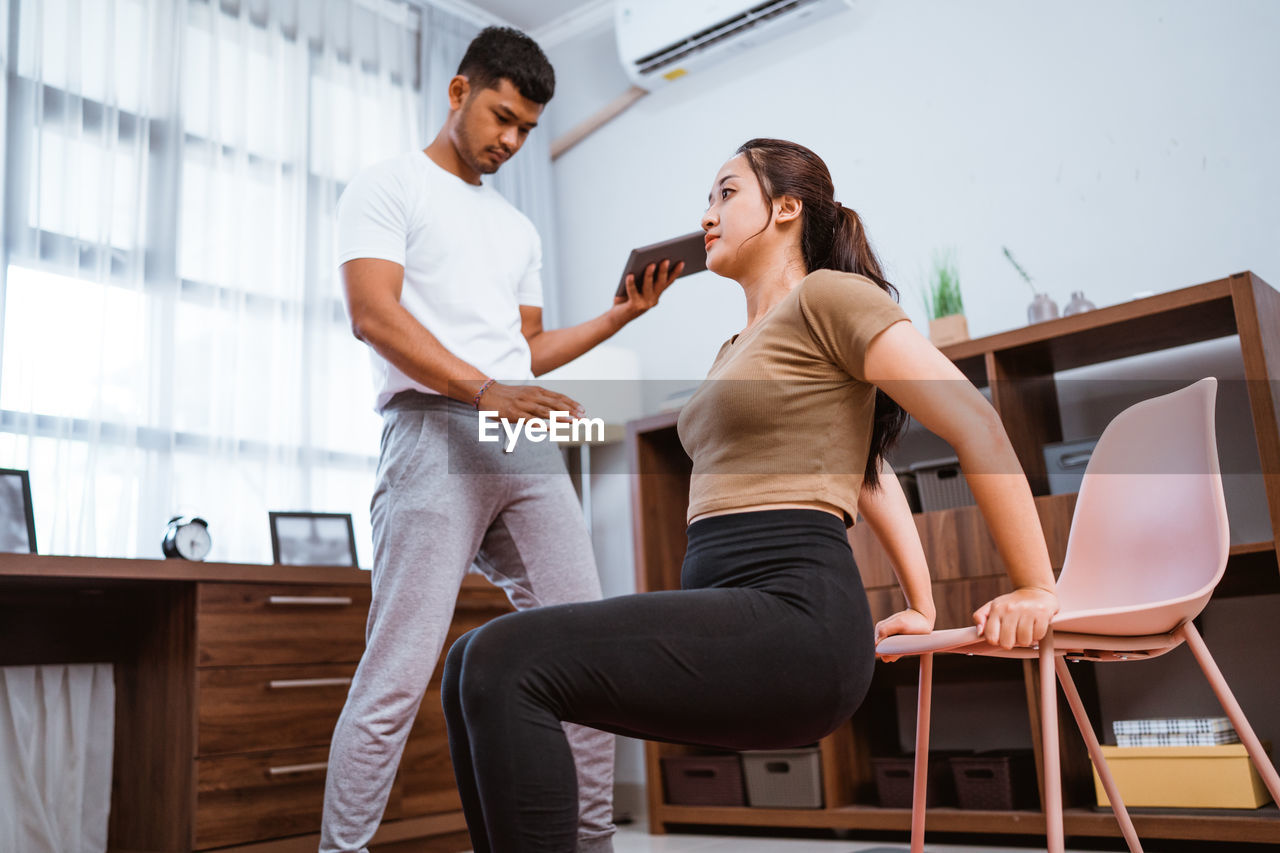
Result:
[657,278]
[513,402]
[903,622]
[1017,618]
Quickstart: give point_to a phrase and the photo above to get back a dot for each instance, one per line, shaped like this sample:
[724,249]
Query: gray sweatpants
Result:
[443,500]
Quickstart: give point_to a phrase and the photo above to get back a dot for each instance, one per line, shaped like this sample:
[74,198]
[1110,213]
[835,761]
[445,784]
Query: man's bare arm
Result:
[550,349]
[372,289]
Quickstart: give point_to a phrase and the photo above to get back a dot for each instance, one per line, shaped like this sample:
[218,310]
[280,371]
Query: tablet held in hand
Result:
[688,249]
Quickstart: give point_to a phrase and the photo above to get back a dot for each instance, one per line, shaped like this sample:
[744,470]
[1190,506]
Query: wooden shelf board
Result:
[1252,548]
[1191,314]
[858,817]
[1261,826]
[46,566]
[1254,826]
[1021,822]
[48,569]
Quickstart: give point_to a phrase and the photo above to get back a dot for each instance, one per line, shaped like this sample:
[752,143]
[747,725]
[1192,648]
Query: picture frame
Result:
[313,539]
[17,514]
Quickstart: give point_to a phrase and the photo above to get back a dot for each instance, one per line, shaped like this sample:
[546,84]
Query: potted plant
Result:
[943,302]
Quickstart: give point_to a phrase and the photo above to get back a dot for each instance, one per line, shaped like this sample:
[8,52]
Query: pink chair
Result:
[1147,546]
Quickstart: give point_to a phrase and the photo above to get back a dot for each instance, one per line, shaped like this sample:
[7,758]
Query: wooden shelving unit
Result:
[1018,367]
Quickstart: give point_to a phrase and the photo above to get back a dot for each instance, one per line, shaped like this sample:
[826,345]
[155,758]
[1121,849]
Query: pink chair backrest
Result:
[1150,524]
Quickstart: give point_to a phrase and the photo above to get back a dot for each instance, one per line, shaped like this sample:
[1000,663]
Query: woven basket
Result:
[703,780]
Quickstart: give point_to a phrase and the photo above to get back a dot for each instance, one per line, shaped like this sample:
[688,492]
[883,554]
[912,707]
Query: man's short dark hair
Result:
[502,52]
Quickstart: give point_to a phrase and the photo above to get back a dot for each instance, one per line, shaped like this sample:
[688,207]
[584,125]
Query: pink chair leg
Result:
[1049,737]
[1099,762]
[921,778]
[1219,684]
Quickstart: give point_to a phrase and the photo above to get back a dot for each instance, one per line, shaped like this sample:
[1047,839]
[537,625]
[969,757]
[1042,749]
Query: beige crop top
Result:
[784,413]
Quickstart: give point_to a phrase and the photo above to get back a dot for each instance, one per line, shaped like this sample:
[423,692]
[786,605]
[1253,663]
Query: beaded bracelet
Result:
[475,401]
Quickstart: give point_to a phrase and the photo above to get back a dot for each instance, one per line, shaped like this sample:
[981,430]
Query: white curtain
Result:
[173,338]
[56,744]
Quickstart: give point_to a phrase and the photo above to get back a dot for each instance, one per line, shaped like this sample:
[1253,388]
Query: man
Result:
[441,278]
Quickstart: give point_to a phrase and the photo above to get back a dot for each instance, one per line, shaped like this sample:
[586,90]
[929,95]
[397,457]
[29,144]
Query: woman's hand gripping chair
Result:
[1147,546]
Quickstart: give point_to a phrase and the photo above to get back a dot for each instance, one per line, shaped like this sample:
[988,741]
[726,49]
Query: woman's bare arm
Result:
[886,511]
[909,369]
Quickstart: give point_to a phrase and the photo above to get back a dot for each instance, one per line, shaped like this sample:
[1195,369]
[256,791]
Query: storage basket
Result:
[783,779]
[997,781]
[895,781]
[941,484]
[703,780]
[909,488]
[1065,461]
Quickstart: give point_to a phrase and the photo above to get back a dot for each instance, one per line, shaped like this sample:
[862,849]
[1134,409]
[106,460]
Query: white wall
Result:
[1114,147]
[588,76]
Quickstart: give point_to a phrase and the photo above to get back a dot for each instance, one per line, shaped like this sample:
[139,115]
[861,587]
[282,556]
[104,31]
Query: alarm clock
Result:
[186,538]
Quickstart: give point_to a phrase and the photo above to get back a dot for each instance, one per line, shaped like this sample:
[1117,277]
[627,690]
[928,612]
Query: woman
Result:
[769,644]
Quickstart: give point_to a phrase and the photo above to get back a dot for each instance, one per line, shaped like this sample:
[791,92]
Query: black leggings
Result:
[768,645]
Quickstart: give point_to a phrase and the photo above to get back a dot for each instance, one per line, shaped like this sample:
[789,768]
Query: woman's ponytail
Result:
[850,250]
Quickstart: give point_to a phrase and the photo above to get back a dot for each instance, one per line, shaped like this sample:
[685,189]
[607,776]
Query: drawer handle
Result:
[288,683]
[311,600]
[294,769]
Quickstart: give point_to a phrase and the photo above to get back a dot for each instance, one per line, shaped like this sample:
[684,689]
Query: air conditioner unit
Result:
[663,40]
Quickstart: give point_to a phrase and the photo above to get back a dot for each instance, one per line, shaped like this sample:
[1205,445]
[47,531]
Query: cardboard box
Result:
[1192,777]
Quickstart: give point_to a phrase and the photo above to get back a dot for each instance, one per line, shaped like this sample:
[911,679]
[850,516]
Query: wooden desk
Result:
[229,679]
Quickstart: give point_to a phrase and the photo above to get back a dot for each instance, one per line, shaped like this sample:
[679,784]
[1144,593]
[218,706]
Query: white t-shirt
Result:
[470,260]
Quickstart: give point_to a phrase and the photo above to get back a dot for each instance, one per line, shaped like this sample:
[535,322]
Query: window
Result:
[173,337]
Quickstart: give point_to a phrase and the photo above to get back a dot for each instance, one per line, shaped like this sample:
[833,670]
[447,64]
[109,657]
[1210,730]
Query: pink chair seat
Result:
[952,640]
[1070,644]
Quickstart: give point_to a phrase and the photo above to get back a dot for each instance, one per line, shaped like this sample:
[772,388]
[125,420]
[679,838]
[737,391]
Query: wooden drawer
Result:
[247,798]
[251,798]
[264,624]
[251,709]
